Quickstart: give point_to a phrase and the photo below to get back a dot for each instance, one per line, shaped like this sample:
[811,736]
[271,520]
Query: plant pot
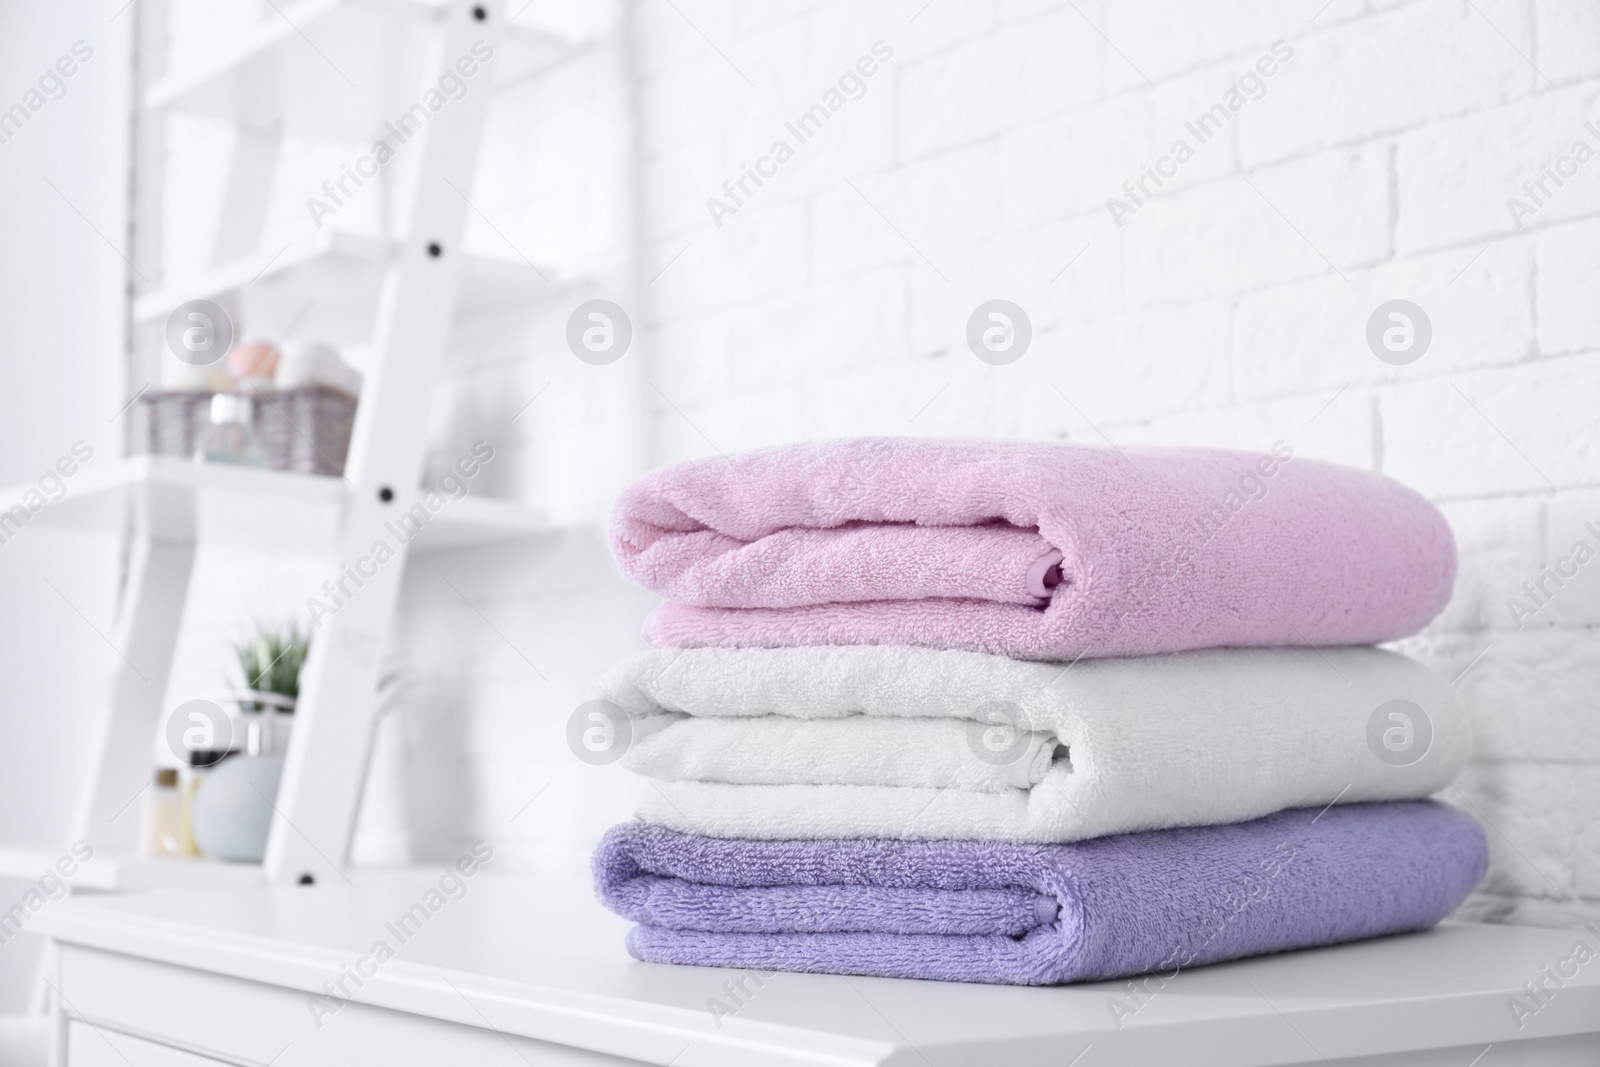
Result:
[267,719]
[232,808]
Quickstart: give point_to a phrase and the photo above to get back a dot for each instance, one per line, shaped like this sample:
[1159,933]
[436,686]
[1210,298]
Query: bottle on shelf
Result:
[229,437]
[163,816]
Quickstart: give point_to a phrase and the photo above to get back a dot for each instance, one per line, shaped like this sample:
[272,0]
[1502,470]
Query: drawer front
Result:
[89,1046]
[218,1019]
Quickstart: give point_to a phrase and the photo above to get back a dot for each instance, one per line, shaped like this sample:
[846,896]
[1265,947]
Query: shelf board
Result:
[323,68]
[113,873]
[337,277]
[327,258]
[177,500]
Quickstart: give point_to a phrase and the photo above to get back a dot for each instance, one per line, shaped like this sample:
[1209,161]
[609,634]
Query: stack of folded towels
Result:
[1031,713]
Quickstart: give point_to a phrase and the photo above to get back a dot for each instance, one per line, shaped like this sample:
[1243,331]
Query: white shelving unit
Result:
[345,72]
[334,70]
[342,271]
[177,506]
[177,501]
[346,87]
[131,873]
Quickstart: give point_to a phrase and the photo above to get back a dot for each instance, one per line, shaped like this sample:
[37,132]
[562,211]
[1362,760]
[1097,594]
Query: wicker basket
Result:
[305,429]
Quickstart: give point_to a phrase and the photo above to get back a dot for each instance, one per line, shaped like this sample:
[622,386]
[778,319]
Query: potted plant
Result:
[270,661]
[231,812]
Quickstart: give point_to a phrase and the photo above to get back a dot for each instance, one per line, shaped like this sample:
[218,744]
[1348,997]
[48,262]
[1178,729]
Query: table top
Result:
[544,960]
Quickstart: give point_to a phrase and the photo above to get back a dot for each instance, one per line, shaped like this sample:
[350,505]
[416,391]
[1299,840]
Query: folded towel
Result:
[1029,549]
[861,750]
[1040,914]
[856,741]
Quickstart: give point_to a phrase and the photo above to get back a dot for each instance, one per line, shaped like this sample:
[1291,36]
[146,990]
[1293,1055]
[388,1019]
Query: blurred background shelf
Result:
[328,287]
[176,500]
[112,872]
[327,69]
[109,871]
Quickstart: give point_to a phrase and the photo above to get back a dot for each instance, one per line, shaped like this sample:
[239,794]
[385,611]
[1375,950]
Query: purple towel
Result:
[989,911]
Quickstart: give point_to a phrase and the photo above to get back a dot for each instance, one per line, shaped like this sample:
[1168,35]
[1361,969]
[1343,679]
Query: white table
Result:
[520,972]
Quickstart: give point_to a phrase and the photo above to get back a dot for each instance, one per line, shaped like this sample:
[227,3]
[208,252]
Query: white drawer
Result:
[243,1022]
[90,1046]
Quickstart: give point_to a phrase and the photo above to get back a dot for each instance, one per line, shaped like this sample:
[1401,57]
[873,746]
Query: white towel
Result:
[861,750]
[889,741]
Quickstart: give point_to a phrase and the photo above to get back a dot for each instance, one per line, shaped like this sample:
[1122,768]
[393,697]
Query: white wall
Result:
[1229,309]
[63,233]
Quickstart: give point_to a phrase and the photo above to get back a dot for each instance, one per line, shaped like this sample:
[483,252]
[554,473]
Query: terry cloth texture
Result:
[888,741]
[1027,549]
[1040,914]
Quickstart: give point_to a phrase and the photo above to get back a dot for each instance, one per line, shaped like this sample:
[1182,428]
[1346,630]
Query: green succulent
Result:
[271,660]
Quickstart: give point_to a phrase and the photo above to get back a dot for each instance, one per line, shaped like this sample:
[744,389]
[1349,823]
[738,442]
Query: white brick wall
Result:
[1230,309]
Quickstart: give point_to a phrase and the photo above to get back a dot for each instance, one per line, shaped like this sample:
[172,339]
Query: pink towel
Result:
[1029,549]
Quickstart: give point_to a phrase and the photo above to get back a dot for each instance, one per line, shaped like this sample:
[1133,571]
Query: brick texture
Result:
[1229,307]
[1185,286]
